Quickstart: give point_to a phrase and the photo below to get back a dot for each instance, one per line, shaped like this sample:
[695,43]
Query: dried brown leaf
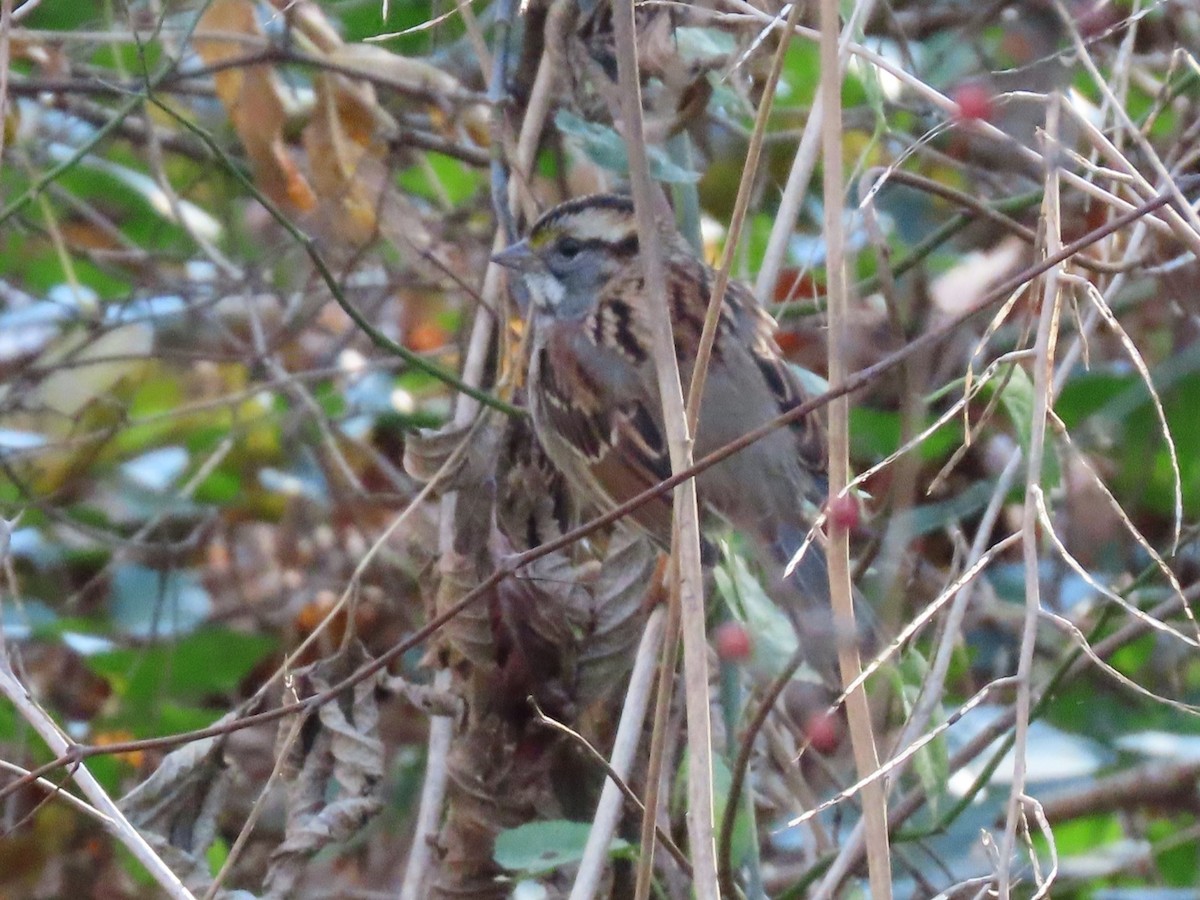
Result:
[332,773]
[427,452]
[618,609]
[177,807]
[253,98]
[344,157]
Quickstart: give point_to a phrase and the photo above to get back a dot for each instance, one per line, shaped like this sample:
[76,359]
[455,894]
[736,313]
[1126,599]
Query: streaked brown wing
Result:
[756,330]
[611,453]
[637,460]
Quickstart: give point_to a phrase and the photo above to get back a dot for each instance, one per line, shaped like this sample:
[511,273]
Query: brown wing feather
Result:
[637,460]
[758,330]
[610,452]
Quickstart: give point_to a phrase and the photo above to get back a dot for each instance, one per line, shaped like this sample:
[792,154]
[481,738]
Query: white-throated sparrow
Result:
[593,391]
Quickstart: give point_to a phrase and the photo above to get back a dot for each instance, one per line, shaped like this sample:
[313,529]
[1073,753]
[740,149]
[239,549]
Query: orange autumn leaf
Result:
[252,97]
[343,155]
[120,736]
[425,337]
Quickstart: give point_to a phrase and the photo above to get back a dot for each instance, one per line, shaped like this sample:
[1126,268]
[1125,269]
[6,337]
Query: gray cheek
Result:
[581,286]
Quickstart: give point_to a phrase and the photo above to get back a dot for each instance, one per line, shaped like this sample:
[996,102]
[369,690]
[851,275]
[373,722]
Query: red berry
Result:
[824,731]
[732,642]
[843,512]
[974,102]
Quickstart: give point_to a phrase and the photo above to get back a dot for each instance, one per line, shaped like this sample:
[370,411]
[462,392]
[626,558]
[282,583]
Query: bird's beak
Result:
[519,257]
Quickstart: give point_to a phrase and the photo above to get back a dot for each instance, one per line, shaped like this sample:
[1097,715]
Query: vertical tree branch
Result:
[1047,335]
[841,591]
[441,728]
[687,531]
[625,744]
[802,167]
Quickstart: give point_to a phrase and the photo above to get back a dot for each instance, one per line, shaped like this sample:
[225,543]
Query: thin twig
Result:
[933,687]
[310,248]
[994,212]
[806,156]
[283,749]
[687,524]
[629,733]
[625,745]
[712,315]
[55,792]
[658,736]
[6,27]
[58,743]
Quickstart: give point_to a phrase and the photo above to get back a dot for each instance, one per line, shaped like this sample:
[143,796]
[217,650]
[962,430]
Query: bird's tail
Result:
[804,595]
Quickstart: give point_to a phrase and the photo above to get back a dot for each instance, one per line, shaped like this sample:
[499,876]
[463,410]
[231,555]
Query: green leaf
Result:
[801,75]
[933,517]
[1087,833]
[455,180]
[361,19]
[540,847]
[771,632]
[1017,401]
[1179,861]
[742,841]
[139,206]
[66,16]
[9,729]
[217,853]
[606,149]
[703,45]
[221,487]
[167,682]
[932,761]
[875,434]
[151,604]
[743,837]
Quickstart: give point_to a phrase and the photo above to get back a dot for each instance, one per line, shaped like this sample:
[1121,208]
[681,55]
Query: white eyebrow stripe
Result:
[610,226]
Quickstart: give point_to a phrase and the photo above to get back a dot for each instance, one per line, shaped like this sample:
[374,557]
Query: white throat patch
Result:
[548,292]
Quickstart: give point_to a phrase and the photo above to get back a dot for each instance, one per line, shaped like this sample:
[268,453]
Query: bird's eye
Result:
[569,248]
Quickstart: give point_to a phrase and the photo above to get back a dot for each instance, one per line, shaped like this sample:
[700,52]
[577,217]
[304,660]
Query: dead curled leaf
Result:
[618,613]
[333,769]
[177,808]
[575,614]
[456,111]
[345,158]
[402,72]
[429,452]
